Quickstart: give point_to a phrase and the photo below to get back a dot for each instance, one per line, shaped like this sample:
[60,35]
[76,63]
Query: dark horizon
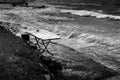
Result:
[101,2]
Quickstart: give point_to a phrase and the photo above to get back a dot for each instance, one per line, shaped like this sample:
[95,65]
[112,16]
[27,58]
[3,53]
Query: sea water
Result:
[89,9]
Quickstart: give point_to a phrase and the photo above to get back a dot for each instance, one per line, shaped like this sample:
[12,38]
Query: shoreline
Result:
[84,39]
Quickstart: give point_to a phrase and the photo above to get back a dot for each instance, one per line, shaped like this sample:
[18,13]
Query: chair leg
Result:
[45,47]
[37,43]
[49,52]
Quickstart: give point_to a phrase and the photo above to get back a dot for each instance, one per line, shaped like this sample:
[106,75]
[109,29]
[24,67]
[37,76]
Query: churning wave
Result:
[98,14]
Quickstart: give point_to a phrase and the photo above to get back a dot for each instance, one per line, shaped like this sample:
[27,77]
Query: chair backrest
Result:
[25,37]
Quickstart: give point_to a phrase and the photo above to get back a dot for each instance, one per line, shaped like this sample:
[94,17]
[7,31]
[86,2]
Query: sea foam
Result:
[90,13]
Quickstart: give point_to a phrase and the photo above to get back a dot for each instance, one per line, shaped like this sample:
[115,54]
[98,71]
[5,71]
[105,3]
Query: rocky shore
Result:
[76,56]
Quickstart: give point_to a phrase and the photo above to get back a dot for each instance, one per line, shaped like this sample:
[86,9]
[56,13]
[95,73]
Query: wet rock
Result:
[113,78]
[18,61]
[53,66]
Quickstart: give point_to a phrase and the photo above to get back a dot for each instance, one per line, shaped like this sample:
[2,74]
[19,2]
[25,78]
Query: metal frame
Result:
[44,42]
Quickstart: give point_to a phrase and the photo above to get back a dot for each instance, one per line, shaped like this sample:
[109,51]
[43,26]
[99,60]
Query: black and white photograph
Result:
[59,39]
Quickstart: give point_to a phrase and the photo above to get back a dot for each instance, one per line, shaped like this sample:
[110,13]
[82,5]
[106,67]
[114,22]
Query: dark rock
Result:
[18,61]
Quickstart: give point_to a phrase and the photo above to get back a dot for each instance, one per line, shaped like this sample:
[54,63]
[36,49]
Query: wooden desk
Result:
[43,37]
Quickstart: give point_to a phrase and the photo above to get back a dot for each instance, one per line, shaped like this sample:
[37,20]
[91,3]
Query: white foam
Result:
[90,13]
